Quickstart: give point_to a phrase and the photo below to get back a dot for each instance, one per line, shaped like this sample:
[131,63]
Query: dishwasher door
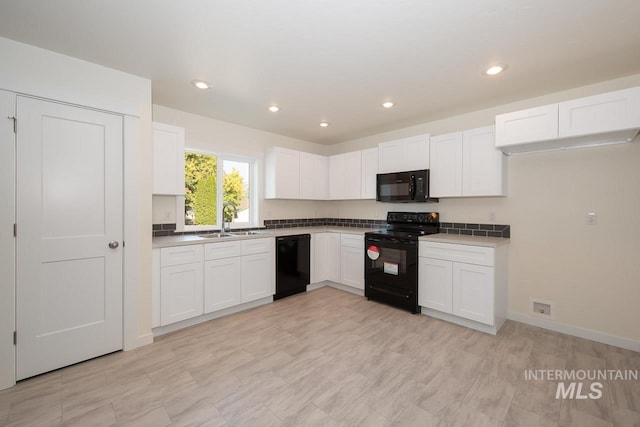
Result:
[293,264]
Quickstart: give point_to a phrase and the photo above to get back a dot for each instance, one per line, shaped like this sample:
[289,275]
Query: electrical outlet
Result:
[592,218]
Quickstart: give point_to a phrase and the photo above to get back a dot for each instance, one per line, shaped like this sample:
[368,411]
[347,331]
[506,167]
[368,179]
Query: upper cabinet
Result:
[467,164]
[404,154]
[369,171]
[168,159]
[600,119]
[282,174]
[345,176]
[314,170]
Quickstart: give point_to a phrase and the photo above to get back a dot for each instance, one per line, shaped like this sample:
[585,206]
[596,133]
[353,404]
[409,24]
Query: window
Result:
[214,182]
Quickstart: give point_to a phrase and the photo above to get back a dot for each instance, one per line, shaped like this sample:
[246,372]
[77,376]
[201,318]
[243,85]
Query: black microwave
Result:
[403,187]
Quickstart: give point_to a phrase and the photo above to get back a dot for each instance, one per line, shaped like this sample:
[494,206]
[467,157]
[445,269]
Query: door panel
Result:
[435,279]
[473,292]
[69,207]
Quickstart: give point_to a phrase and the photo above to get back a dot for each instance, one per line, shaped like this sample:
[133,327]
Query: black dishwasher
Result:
[292,264]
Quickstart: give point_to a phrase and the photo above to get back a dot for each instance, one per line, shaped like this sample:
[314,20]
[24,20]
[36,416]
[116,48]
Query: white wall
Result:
[203,133]
[29,70]
[592,273]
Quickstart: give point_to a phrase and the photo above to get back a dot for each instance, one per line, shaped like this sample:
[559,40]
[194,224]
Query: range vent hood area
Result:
[608,118]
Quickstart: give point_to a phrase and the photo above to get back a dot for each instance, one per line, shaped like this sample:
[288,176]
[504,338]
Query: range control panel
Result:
[413,217]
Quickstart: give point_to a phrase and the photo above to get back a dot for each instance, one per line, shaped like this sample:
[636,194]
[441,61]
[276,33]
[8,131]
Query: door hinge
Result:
[15,338]
[15,124]
[123,243]
[15,230]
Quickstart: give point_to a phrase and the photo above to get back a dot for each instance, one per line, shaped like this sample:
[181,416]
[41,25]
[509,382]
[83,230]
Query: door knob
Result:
[114,244]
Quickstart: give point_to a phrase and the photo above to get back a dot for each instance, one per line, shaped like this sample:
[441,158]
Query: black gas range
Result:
[391,258]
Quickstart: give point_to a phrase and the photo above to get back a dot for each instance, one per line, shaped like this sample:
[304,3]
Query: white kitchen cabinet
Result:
[352,260]
[258,268]
[155,288]
[282,174]
[168,159]
[321,177]
[369,172]
[404,154]
[181,283]
[257,276]
[525,126]
[607,112]
[222,283]
[473,292]
[436,291]
[314,177]
[390,156]
[345,176]
[327,257]
[484,167]
[606,118]
[465,284]
[222,275]
[445,175]
[467,164]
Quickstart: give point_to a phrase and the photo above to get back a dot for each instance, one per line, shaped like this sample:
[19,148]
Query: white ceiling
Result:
[338,60]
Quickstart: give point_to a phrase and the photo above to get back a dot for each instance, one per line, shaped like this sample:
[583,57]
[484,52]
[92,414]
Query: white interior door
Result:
[69,209]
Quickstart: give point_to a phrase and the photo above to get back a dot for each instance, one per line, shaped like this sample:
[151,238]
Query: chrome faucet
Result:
[227,225]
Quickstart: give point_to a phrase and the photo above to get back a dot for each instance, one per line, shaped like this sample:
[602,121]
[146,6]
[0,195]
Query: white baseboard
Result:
[576,331]
[487,329]
[144,339]
[210,316]
[346,288]
[314,286]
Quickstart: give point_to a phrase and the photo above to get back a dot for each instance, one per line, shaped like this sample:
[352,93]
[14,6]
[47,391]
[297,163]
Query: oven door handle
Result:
[390,241]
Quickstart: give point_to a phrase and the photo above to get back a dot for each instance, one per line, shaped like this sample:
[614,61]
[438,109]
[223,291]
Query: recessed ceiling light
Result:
[274,108]
[495,69]
[388,104]
[324,123]
[200,84]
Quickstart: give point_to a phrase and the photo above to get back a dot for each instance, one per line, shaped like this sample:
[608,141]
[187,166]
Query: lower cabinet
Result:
[352,260]
[222,284]
[327,257]
[257,274]
[191,280]
[464,281]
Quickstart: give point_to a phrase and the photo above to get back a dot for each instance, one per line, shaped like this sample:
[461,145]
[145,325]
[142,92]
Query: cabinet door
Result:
[321,178]
[155,288]
[369,171]
[258,279]
[337,190]
[307,177]
[473,292]
[352,267]
[390,156]
[435,284]
[181,292]
[415,152]
[352,175]
[446,165]
[282,174]
[327,257]
[534,124]
[483,165]
[222,284]
[168,159]
[606,112]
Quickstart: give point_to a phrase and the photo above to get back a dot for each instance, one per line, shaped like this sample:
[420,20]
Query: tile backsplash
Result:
[486,230]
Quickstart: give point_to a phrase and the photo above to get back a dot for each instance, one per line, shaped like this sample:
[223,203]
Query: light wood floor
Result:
[329,358]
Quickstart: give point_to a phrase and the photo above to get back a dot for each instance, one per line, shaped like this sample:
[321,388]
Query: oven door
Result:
[392,262]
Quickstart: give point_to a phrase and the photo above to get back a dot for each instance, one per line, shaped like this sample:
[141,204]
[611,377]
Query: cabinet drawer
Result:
[479,255]
[257,246]
[220,250]
[179,255]
[352,240]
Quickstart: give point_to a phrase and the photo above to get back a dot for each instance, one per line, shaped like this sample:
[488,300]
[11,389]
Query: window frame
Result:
[252,196]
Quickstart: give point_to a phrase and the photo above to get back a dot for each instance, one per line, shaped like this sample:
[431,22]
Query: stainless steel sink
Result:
[247,233]
[216,235]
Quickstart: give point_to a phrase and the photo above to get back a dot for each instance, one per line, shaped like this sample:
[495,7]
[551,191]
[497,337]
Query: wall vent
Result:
[542,308]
